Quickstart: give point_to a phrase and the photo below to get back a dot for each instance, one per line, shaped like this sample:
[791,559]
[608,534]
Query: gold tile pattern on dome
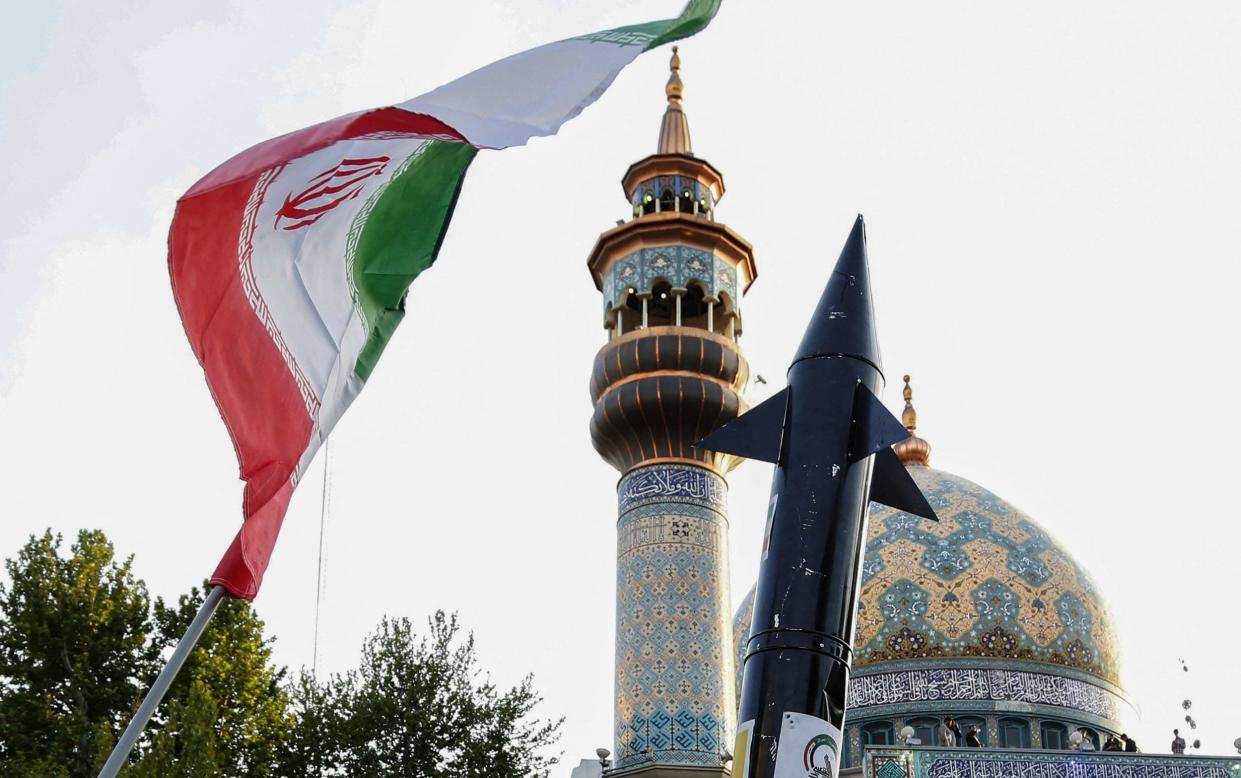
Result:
[986,581]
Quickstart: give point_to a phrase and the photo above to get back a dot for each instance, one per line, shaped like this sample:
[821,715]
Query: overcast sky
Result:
[1052,199]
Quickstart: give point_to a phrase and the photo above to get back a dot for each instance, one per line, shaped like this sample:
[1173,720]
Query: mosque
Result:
[982,616]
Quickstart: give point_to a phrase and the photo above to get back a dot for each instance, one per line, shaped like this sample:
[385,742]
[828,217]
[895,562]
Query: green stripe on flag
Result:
[696,16]
[401,238]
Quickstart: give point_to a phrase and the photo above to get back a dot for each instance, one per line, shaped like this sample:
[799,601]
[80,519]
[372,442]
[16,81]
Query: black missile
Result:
[830,439]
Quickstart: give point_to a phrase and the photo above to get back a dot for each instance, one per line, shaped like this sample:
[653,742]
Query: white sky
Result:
[1052,200]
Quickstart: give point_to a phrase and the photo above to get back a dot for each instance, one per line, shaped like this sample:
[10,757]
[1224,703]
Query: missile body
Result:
[830,439]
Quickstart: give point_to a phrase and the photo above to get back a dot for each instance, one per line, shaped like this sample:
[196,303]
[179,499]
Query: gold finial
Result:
[675,88]
[913,450]
[674,130]
[909,417]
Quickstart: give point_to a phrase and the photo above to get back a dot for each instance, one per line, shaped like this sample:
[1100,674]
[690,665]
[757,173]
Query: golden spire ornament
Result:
[913,450]
[674,130]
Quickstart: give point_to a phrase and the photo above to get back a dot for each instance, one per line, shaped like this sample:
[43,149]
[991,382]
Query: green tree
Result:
[421,706]
[315,746]
[74,655]
[227,713]
[186,745]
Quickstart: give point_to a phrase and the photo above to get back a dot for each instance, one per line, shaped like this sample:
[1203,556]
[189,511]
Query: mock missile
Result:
[830,440]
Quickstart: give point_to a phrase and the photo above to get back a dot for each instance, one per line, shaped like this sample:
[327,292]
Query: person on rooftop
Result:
[948,734]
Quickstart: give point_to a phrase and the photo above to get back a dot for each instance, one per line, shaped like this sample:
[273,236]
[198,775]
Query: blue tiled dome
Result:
[986,583]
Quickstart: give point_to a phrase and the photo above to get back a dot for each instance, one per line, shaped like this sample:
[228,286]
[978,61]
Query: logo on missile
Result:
[820,754]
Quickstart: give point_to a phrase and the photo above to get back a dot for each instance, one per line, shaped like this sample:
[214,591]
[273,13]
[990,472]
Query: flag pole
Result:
[160,687]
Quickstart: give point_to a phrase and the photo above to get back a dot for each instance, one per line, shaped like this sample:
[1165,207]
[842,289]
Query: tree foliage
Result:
[419,706]
[315,746]
[80,643]
[186,746]
[74,655]
[228,686]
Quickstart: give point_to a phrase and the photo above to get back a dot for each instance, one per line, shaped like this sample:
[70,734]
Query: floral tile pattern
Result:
[674,691]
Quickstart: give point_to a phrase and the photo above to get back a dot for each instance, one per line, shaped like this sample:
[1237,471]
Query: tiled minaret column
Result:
[670,373]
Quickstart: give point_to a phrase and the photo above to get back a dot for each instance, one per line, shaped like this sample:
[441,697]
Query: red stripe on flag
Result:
[241,570]
[256,393]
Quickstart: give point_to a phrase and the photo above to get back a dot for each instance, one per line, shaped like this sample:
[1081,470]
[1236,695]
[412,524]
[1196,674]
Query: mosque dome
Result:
[981,614]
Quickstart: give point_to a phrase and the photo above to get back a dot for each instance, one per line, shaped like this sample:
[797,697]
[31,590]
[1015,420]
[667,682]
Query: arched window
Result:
[668,201]
[662,306]
[973,721]
[846,757]
[687,200]
[694,307]
[648,202]
[1055,736]
[924,729]
[633,303]
[1014,733]
[878,733]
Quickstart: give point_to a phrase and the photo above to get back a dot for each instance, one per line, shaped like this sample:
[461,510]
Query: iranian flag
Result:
[290,262]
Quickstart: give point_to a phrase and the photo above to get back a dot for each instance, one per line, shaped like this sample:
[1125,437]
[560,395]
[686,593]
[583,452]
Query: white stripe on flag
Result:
[528,94]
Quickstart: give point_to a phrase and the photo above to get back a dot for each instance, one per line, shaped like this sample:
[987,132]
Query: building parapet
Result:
[928,762]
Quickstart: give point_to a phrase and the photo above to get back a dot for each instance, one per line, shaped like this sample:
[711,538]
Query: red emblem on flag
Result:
[327,190]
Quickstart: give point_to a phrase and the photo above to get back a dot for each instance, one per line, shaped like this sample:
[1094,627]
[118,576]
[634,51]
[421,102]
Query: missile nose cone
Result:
[844,320]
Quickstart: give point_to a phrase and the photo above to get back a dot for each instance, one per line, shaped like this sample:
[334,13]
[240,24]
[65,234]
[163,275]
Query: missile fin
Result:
[891,484]
[756,434]
[874,426]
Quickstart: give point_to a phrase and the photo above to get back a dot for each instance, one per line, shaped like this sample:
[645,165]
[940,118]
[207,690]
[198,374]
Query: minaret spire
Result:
[674,130]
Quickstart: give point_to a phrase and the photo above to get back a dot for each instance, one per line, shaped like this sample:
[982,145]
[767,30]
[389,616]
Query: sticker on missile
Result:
[809,747]
[741,750]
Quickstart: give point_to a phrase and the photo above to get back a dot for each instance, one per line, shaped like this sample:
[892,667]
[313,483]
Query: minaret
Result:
[670,373]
